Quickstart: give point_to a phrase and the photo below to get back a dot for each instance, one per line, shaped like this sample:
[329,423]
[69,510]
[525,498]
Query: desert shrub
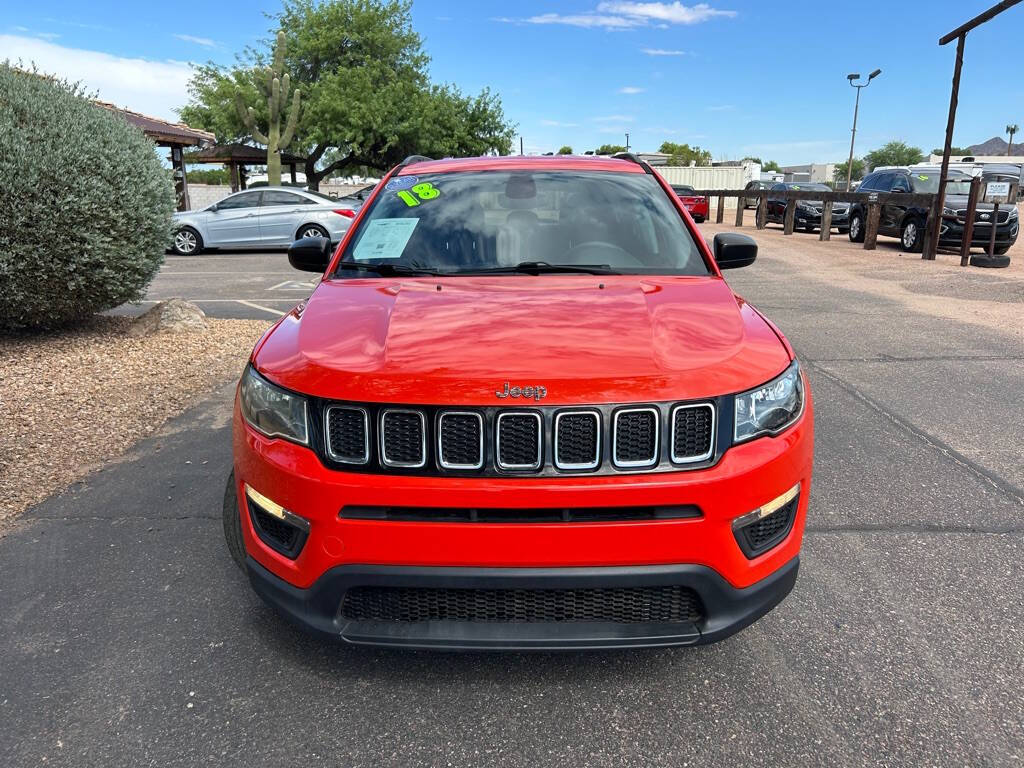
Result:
[85,204]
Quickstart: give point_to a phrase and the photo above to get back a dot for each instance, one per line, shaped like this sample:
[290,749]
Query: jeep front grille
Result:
[537,441]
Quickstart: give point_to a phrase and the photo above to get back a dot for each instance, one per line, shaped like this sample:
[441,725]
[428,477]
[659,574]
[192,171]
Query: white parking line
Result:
[257,306]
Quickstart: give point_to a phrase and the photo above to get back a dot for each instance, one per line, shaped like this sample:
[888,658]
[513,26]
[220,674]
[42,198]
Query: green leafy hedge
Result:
[85,205]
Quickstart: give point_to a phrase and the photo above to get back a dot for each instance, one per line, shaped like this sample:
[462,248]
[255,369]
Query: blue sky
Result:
[738,77]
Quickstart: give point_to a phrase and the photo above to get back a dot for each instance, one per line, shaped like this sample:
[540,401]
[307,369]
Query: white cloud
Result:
[558,124]
[671,13]
[662,52]
[21,29]
[631,89]
[721,108]
[614,119]
[152,87]
[203,41]
[623,16]
[47,35]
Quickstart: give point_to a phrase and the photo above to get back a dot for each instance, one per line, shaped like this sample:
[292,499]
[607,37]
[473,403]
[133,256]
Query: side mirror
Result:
[213,208]
[733,250]
[310,254]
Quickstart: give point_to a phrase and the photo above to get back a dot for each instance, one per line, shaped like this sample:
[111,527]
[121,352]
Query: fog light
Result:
[772,506]
[266,504]
[281,530]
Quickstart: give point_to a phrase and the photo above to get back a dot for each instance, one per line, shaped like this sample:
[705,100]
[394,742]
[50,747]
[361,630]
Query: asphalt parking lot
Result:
[131,639]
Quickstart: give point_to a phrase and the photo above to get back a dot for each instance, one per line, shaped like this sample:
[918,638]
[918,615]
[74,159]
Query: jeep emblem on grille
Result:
[537,393]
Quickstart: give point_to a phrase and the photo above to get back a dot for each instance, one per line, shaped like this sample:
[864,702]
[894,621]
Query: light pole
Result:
[627,141]
[1010,129]
[856,107]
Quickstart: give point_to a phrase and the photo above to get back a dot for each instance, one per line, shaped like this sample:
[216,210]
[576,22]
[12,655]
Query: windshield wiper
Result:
[388,270]
[543,268]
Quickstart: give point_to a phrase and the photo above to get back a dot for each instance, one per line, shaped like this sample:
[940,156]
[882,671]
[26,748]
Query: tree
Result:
[684,154]
[276,91]
[367,99]
[770,166]
[566,150]
[858,170]
[609,149]
[74,243]
[953,151]
[894,153]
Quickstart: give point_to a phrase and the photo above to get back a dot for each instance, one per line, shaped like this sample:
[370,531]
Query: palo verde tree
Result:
[565,150]
[278,83]
[684,154]
[894,153]
[367,101]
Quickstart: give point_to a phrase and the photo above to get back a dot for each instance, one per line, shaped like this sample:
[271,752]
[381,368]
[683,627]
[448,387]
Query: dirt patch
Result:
[70,401]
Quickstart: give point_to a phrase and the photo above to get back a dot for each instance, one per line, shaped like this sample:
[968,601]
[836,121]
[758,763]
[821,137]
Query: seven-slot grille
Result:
[519,443]
[635,437]
[602,439]
[348,435]
[693,433]
[460,440]
[983,217]
[403,438]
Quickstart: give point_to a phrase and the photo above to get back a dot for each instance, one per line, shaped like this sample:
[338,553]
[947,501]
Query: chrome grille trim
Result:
[597,449]
[497,440]
[366,434]
[440,448]
[657,437]
[423,443]
[714,434]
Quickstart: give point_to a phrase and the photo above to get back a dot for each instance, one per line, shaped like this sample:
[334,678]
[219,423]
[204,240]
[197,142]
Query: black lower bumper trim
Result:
[726,609]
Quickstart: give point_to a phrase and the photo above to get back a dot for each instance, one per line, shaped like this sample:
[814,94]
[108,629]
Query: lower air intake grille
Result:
[519,441]
[403,442]
[760,536]
[279,535]
[628,605]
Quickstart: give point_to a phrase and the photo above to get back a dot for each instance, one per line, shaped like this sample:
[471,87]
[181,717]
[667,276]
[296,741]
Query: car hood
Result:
[960,201]
[584,338]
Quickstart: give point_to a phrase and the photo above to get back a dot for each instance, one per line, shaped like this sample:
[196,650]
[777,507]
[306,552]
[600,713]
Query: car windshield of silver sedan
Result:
[528,222]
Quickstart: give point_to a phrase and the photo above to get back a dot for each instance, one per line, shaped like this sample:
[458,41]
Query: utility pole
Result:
[856,108]
[520,145]
[627,141]
[1010,129]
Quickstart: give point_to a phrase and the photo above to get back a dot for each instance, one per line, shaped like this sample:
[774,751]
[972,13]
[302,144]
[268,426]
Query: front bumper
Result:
[727,609]
[812,218]
[951,232]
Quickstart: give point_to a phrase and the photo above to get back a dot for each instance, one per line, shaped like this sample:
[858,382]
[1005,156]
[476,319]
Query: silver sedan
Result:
[267,217]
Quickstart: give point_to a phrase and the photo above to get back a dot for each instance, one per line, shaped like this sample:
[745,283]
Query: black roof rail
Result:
[415,159]
[633,159]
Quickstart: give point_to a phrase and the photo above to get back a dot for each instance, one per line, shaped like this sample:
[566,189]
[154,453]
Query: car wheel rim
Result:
[855,227]
[185,242]
[909,235]
[312,233]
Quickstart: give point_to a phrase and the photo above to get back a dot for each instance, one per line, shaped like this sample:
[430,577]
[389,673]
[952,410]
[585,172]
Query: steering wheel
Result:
[598,252]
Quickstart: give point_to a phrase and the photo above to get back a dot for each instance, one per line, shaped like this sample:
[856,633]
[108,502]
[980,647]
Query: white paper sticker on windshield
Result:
[384,239]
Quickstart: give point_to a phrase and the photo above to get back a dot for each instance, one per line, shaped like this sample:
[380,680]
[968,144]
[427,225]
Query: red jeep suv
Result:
[521,410]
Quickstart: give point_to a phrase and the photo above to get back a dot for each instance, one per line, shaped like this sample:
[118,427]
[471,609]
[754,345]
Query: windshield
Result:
[928,184]
[808,187]
[321,195]
[468,222]
[682,190]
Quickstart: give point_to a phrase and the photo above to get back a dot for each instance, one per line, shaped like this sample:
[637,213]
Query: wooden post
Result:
[972,207]
[826,222]
[234,177]
[180,182]
[720,216]
[787,226]
[871,228]
[762,210]
[294,177]
[992,237]
[739,213]
[931,232]
[241,176]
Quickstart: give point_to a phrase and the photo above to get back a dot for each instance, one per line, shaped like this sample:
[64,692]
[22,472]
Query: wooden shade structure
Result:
[177,136]
[238,156]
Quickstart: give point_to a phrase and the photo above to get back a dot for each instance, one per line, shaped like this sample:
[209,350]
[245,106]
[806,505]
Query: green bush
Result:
[85,205]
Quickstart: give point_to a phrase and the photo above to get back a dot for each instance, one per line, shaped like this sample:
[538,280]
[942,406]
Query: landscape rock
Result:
[171,316]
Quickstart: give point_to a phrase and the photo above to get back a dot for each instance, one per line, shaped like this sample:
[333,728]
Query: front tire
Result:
[912,235]
[232,522]
[311,230]
[856,232]
[187,242]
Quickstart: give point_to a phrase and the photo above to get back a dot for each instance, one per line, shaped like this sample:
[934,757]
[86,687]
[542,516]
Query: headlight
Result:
[1013,214]
[771,408]
[805,205]
[272,411]
[948,212]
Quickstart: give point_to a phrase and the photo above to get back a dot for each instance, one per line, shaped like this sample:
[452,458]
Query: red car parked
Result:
[696,205]
[522,410]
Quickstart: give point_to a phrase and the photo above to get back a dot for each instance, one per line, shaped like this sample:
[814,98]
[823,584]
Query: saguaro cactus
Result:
[277,87]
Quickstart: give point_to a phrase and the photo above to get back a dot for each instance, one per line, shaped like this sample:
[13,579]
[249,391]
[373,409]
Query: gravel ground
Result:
[86,395]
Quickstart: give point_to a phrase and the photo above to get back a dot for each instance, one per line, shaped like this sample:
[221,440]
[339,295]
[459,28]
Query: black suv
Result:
[808,212]
[907,222]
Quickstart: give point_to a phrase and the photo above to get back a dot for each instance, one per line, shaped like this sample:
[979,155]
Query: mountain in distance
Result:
[994,146]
